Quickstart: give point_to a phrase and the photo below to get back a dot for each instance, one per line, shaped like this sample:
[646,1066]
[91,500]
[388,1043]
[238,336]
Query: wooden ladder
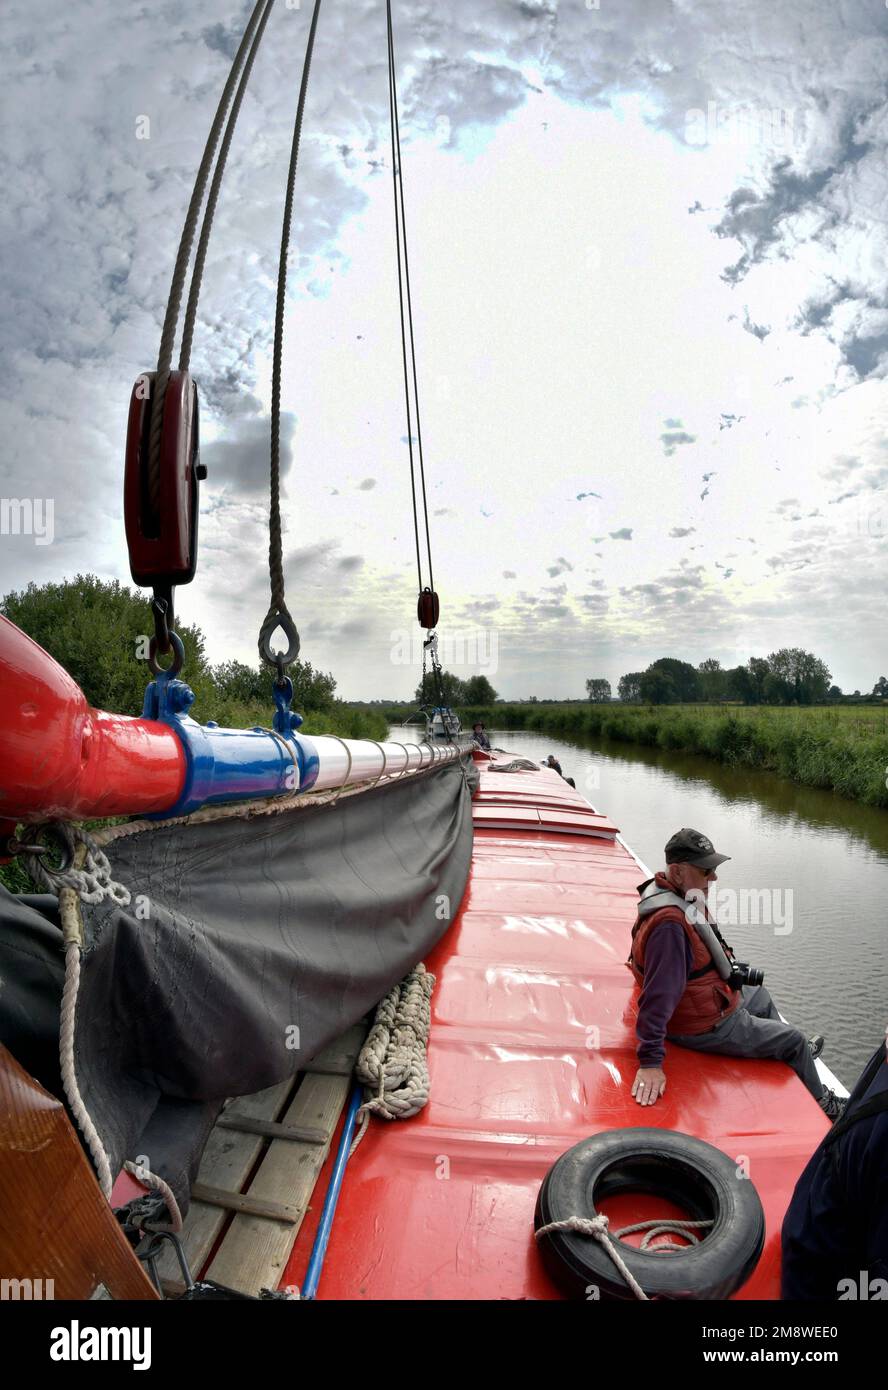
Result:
[289,1128]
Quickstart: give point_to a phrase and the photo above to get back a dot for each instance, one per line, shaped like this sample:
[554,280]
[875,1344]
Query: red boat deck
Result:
[532,1049]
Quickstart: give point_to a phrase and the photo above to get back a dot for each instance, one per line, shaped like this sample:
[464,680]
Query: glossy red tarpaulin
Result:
[532,1049]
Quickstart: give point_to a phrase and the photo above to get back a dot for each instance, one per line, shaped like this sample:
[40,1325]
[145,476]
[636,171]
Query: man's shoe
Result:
[833,1106]
[816,1045]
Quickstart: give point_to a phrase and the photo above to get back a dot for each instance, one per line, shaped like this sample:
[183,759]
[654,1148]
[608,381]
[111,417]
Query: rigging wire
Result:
[278,614]
[406,325]
[171,318]
[213,195]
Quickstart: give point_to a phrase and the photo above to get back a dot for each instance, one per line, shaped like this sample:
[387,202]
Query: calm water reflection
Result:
[828,972]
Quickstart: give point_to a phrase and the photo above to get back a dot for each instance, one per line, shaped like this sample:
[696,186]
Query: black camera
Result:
[744,974]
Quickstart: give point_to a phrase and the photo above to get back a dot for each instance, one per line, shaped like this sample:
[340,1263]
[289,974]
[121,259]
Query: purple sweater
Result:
[668,961]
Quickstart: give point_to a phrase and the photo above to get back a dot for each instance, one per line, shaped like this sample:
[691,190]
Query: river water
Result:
[818,865]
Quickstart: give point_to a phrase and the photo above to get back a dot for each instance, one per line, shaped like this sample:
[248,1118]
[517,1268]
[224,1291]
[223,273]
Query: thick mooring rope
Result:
[597,1226]
[393,1063]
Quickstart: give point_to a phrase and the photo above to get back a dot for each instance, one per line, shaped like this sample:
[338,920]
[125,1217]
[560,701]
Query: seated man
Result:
[480,737]
[835,1232]
[686,997]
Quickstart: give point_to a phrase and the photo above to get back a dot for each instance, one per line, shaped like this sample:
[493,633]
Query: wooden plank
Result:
[244,1201]
[270,1129]
[227,1161]
[253,1252]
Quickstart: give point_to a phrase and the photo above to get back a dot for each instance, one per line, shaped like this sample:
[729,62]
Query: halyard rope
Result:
[597,1226]
[393,1063]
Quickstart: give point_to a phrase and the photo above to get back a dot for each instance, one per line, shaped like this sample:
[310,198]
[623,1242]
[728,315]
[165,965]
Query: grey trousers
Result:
[756,1029]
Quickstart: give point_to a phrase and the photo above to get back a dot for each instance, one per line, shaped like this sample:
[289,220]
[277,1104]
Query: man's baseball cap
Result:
[690,847]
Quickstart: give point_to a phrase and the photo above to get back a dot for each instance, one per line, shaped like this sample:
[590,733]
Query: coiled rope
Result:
[393,1063]
[597,1227]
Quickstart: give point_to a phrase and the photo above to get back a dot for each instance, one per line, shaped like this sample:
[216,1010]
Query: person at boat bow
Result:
[693,992]
[480,737]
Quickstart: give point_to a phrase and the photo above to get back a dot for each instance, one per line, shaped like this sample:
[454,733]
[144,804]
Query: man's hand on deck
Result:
[649,1085]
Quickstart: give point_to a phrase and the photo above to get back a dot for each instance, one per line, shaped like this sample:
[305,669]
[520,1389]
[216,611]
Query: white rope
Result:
[149,1179]
[88,879]
[597,1226]
[392,1064]
[72,933]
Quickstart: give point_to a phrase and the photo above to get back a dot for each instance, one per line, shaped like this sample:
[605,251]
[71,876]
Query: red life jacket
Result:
[708,999]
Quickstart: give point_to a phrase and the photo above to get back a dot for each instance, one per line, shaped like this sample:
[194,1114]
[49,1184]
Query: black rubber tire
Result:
[700,1179]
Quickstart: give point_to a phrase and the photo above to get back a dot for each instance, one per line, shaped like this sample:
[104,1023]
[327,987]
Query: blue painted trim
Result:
[319,1249]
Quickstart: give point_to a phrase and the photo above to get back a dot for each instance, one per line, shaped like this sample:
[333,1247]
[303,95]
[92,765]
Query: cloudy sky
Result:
[649,254]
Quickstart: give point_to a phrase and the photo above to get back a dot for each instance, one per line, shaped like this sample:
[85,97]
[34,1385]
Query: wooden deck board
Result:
[227,1161]
[254,1252]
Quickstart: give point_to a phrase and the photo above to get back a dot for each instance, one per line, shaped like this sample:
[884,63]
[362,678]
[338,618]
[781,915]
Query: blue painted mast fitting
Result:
[232,764]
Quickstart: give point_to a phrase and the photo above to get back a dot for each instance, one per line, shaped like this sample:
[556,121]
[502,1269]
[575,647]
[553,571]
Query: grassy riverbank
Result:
[840,748]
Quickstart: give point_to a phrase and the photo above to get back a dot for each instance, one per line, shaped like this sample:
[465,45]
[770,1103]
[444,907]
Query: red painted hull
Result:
[441,1206]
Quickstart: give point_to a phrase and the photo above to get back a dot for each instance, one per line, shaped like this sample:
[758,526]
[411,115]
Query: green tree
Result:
[759,670]
[453,689]
[684,678]
[740,685]
[658,687]
[599,691]
[478,691]
[713,680]
[880,689]
[98,630]
[803,677]
[629,686]
[312,690]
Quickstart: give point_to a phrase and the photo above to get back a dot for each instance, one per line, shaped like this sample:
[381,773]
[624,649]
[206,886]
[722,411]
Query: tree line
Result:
[789,676]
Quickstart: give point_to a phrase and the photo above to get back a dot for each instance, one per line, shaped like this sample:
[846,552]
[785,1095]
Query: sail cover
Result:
[250,943]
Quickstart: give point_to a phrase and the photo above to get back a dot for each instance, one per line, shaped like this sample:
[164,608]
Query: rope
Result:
[213,195]
[92,882]
[516,765]
[72,936]
[171,319]
[392,1064]
[88,879]
[157,1184]
[597,1226]
[278,615]
[404,285]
